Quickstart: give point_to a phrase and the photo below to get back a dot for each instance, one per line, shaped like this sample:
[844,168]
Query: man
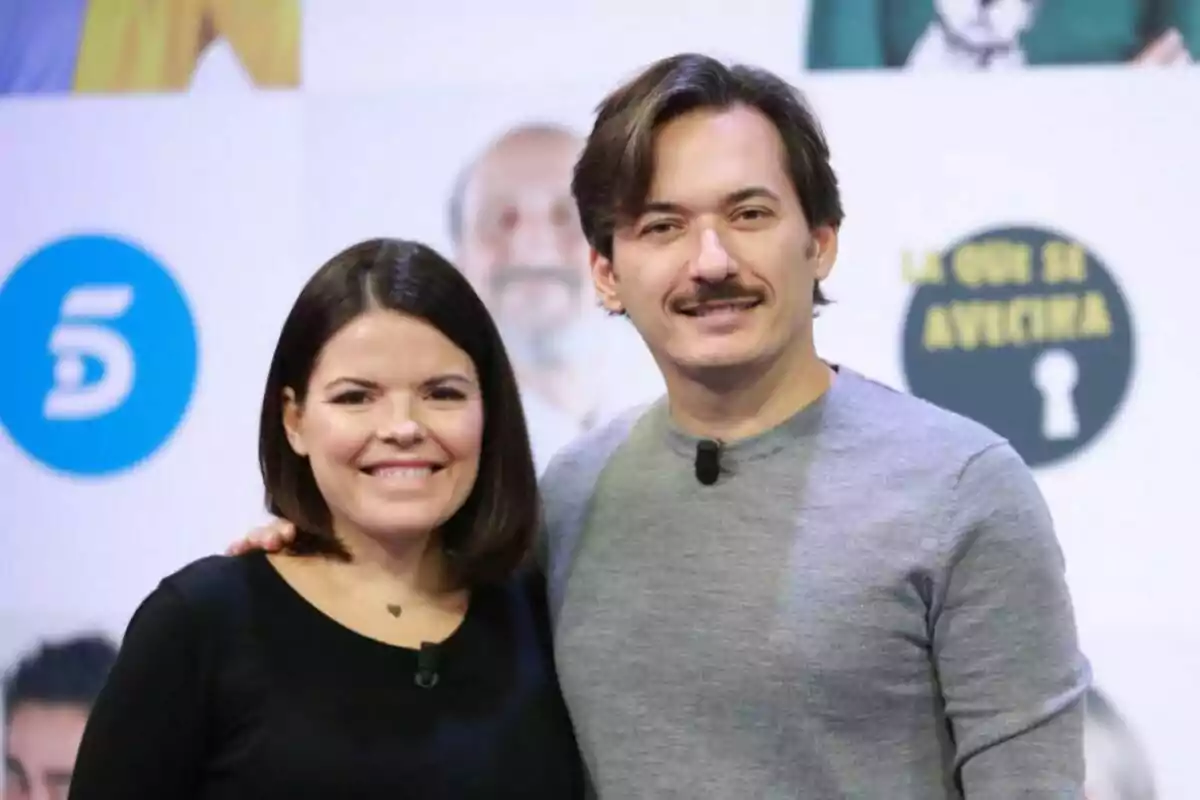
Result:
[517,238]
[47,699]
[784,579]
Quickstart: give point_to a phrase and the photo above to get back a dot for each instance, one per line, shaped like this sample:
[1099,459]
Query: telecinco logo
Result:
[99,355]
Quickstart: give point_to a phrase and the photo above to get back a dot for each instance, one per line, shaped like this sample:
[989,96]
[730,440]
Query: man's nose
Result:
[712,262]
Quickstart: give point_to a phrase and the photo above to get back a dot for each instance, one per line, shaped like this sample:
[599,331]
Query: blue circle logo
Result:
[99,355]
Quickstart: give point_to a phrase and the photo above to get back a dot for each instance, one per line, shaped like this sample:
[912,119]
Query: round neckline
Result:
[291,595]
[766,443]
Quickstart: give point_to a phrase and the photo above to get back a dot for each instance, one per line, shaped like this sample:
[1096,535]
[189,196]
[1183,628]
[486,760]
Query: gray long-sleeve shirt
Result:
[870,603]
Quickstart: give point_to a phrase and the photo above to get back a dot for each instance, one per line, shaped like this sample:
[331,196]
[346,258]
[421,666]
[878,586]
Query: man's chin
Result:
[718,359]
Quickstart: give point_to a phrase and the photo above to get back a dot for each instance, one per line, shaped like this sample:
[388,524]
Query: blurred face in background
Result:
[521,243]
[41,742]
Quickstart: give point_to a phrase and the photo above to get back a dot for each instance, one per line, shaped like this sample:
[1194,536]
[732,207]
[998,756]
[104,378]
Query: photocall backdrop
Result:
[1017,248]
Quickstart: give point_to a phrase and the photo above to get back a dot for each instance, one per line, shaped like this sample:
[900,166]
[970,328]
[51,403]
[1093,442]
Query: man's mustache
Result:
[718,292]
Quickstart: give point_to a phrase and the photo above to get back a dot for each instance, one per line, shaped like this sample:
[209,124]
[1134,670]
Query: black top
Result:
[230,685]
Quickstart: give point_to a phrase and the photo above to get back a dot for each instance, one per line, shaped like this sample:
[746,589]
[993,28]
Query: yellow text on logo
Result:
[999,262]
[1022,320]
[1032,316]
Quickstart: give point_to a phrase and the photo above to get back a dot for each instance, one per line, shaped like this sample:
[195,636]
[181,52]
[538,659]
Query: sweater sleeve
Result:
[1004,640]
[145,735]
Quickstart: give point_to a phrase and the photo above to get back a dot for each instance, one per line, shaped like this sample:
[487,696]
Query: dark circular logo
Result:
[1024,330]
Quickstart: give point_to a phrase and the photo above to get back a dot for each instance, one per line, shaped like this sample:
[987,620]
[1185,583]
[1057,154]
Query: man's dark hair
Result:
[491,535]
[68,672]
[612,177]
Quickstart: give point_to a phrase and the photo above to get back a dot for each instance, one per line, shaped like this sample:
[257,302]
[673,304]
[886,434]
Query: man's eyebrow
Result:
[749,193]
[731,199]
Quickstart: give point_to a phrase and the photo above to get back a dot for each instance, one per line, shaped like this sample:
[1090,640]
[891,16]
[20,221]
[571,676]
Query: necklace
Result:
[395,610]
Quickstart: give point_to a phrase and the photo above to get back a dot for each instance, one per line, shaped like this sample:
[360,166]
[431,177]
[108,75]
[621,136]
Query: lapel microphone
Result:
[708,461]
[427,666]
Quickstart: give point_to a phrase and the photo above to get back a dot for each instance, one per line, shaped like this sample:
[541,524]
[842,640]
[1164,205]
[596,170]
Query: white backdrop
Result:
[243,193]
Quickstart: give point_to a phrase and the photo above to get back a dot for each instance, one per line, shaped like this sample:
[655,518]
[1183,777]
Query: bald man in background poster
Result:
[516,236]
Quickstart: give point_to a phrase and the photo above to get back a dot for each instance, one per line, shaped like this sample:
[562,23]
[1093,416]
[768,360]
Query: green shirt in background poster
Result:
[997,34]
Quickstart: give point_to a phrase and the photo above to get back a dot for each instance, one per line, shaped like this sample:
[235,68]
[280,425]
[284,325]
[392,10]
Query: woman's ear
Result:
[293,416]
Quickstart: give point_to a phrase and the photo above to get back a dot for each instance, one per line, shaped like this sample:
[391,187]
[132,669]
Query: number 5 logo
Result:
[99,357]
[78,335]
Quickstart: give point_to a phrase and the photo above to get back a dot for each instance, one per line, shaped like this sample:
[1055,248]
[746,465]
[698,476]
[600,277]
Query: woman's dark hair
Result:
[613,175]
[492,534]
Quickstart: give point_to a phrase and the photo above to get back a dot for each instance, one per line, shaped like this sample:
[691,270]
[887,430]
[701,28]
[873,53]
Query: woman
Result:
[398,647]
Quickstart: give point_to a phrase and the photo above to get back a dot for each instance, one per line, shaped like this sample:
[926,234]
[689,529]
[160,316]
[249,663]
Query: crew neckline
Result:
[761,445]
[292,596]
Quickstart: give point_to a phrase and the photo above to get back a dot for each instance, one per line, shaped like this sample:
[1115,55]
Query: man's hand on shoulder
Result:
[271,537]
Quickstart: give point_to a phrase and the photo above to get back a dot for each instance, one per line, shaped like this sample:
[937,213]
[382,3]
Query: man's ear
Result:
[823,250]
[292,413]
[604,278]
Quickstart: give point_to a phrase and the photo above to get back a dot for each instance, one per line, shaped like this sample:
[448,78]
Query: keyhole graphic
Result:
[1055,374]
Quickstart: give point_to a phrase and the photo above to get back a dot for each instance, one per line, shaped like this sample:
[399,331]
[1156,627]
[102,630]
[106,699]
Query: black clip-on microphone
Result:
[708,461]
[427,666]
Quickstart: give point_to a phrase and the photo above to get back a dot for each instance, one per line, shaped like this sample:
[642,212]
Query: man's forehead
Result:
[706,157]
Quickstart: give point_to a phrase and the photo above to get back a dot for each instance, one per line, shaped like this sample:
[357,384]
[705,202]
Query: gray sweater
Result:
[870,603]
